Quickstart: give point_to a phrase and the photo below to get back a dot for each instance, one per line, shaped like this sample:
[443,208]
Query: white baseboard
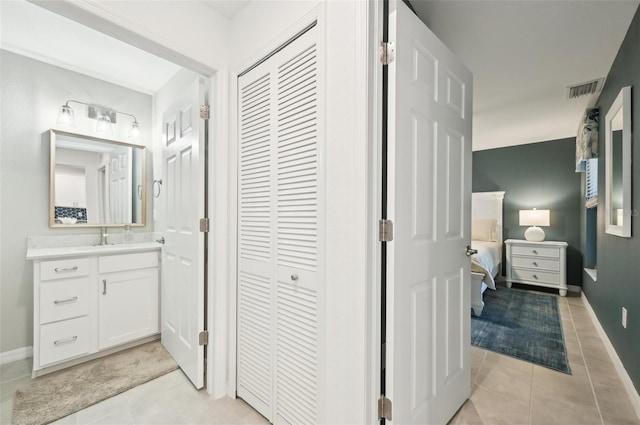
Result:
[617,363]
[15,355]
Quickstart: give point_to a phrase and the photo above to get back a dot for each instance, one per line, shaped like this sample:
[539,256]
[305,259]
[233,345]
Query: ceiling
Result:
[523,56]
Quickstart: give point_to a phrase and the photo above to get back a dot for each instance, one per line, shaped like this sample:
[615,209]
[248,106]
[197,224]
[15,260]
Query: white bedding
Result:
[486,260]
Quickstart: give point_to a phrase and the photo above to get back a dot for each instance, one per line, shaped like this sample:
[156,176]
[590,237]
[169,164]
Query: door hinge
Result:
[204,112]
[385,230]
[384,408]
[387,52]
[203,338]
[204,225]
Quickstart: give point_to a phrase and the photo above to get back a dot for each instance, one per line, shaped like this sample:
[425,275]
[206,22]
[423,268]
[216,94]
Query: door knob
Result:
[471,251]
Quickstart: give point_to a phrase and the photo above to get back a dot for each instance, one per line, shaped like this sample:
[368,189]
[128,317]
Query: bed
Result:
[486,238]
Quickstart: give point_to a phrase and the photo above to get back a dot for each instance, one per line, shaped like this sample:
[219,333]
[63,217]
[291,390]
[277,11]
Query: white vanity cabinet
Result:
[128,305]
[93,301]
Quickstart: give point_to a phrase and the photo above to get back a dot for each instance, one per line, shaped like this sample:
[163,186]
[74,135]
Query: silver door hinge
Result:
[385,228]
[204,112]
[387,52]
[384,408]
[203,338]
[204,225]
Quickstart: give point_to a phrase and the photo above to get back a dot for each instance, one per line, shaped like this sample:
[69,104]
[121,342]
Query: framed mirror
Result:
[95,182]
[618,165]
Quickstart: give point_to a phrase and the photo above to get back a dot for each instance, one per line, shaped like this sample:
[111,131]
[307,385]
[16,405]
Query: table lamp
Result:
[534,218]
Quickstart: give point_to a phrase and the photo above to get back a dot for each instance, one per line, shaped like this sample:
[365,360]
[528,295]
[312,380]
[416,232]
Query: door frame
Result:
[105,19]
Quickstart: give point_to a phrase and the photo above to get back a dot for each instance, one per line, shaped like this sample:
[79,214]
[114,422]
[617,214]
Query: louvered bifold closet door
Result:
[279,265]
[298,285]
[256,252]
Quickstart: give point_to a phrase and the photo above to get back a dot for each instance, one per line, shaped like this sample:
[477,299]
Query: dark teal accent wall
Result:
[537,175]
[618,259]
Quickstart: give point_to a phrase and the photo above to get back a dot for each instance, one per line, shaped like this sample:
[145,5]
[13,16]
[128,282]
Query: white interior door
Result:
[279,240]
[428,298]
[183,187]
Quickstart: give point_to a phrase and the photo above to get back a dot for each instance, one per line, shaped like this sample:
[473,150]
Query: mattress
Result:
[486,260]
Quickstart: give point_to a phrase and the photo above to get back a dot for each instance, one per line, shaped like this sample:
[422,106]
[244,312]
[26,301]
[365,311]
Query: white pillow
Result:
[484,230]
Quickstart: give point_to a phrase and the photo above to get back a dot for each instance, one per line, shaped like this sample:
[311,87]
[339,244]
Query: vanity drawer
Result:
[63,269]
[536,263]
[64,299]
[535,276]
[536,251]
[118,263]
[64,340]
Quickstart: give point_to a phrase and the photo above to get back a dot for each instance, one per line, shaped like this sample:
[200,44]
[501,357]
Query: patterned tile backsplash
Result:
[80,214]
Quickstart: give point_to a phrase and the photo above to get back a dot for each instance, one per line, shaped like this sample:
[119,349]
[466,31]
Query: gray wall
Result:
[537,175]
[618,259]
[31,93]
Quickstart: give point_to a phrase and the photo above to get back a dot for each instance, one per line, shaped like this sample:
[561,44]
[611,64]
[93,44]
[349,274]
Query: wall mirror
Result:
[95,182]
[618,165]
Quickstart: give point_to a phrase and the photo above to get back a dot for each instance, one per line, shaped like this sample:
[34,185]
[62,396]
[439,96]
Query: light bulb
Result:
[104,125]
[134,132]
[66,116]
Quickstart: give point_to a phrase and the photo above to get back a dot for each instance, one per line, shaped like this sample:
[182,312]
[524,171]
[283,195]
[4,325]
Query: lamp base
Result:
[534,234]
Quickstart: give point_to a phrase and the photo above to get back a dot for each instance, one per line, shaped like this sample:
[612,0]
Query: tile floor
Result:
[513,392]
[505,391]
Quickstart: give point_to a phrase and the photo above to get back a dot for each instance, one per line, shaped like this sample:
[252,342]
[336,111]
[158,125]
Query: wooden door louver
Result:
[279,224]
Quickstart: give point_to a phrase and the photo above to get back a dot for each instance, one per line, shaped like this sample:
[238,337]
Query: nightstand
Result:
[537,263]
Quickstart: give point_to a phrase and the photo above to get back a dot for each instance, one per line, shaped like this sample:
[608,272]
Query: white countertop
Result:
[74,251]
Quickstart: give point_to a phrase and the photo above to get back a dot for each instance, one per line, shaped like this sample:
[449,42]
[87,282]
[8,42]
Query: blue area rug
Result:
[521,324]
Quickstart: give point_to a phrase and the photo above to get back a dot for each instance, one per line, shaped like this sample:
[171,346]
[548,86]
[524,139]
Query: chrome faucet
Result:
[103,236]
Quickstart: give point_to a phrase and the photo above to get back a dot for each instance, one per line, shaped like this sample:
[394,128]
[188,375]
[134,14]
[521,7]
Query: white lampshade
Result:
[534,218]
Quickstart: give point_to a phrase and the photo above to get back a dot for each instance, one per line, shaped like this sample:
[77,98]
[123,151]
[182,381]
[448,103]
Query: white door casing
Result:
[429,201]
[183,189]
[279,260]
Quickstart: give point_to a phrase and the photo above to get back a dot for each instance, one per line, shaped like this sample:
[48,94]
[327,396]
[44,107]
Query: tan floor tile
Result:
[477,357]
[102,409]
[120,417]
[617,420]
[592,347]
[507,376]
[486,407]
[552,411]
[19,369]
[6,411]
[572,388]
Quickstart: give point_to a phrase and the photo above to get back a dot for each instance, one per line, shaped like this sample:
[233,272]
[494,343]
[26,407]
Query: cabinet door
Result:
[128,307]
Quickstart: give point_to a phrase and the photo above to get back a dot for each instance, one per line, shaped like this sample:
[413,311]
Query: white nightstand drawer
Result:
[536,263]
[536,251]
[536,276]
[64,340]
[63,269]
[64,299]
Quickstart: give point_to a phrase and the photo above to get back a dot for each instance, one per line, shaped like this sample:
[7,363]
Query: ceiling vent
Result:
[583,89]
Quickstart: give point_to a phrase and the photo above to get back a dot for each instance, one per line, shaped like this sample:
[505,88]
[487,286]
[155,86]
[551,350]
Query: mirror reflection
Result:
[95,182]
[617,217]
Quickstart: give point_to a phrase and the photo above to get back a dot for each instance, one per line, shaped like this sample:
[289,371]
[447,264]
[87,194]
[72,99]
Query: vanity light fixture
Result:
[105,117]
[534,218]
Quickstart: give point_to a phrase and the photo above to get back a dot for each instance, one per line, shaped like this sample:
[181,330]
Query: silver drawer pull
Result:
[104,286]
[535,264]
[535,276]
[535,252]
[68,269]
[68,300]
[65,340]
[294,277]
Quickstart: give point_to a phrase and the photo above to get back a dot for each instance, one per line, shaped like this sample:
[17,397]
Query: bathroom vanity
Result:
[91,301]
